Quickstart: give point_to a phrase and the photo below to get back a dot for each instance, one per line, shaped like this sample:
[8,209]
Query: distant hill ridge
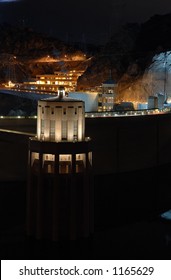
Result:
[128,53]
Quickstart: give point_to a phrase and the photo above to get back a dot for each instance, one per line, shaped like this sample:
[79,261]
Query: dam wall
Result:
[120,144]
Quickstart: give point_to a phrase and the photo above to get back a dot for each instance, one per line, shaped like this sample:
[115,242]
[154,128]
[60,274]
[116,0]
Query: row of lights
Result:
[18,117]
[123,114]
[96,115]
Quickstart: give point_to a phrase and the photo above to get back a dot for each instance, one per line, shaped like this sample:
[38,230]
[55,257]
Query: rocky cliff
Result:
[127,56]
[25,53]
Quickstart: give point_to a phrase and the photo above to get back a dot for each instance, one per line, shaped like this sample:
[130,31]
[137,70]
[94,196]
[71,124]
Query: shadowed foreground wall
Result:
[130,143]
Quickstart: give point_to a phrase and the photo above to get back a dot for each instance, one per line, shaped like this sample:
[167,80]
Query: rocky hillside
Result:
[24,42]
[115,57]
[24,53]
[128,55]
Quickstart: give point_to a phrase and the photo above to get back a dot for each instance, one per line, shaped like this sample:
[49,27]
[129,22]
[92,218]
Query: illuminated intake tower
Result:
[60,194]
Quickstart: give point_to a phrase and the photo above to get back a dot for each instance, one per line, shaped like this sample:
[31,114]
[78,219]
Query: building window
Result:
[48,163]
[42,126]
[49,157]
[64,111]
[42,110]
[65,157]
[104,100]
[52,111]
[90,158]
[80,163]
[52,130]
[110,100]
[75,131]
[34,157]
[64,130]
[65,164]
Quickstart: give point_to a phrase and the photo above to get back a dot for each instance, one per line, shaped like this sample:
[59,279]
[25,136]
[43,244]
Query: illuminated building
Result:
[152,102]
[90,99]
[51,82]
[107,95]
[60,172]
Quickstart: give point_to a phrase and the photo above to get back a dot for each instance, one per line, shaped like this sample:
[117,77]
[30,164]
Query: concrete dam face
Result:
[120,144]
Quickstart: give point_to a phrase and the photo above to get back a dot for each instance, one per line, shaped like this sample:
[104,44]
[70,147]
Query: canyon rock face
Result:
[25,53]
[127,57]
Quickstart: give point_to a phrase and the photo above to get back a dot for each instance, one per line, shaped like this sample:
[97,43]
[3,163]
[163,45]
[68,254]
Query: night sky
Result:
[72,20]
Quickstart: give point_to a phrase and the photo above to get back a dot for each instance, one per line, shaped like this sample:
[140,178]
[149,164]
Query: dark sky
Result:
[90,20]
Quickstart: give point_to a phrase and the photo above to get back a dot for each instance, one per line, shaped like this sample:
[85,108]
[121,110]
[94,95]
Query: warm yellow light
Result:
[64,157]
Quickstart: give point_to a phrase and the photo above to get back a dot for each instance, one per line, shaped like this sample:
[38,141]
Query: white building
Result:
[90,99]
[156,102]
[60,119]
[51,82]
[107,95]
[142,106]
[152,102]
[161,101]
[60,166]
